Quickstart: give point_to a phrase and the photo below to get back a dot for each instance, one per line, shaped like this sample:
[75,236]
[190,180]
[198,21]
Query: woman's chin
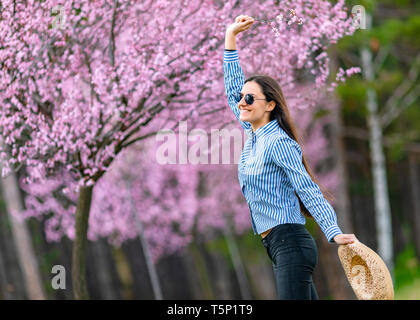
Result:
[244,118]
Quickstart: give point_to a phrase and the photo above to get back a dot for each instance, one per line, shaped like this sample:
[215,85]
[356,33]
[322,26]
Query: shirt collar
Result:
[265,129]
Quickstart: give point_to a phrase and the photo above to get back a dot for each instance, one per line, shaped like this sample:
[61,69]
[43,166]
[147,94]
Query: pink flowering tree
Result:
[81,81]
[165,198]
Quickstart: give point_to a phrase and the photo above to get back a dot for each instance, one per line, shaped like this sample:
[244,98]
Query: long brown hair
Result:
[272,92]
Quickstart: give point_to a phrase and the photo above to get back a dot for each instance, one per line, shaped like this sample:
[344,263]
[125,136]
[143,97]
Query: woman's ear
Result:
[271,105]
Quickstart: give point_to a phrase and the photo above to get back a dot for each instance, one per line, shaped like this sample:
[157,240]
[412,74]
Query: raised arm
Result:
[233,74]
[234,81]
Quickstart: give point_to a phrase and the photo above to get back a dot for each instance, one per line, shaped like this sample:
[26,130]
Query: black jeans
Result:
[294,255]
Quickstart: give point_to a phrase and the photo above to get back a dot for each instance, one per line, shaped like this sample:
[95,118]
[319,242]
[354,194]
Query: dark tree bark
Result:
[80,244]
[103,280]
[415,196]
[141,284]
[11,277]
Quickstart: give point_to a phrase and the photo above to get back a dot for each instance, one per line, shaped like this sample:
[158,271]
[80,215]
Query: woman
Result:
[275,178]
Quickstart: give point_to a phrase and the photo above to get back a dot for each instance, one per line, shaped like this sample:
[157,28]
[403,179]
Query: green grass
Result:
[407,275]
[409,292]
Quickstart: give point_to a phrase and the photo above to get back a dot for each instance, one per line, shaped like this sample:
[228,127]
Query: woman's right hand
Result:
[345,238]
[242,23]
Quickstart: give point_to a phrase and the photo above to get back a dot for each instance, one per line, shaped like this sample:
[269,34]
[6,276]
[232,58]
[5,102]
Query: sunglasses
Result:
[249,99]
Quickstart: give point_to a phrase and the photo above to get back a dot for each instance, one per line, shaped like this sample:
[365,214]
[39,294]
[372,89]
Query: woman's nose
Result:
[242,102]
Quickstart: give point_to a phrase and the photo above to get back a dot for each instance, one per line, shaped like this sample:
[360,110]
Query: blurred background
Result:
[184,231]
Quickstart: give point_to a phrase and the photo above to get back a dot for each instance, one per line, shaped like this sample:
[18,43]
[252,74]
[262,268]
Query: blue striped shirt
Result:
[270,169]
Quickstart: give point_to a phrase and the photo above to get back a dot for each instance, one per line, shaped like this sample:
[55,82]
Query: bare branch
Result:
[140,138]
[388,113]
[350,57]
[173,128]
[111,45]
[211,111]
[363,134]
[406,102]
[380,58]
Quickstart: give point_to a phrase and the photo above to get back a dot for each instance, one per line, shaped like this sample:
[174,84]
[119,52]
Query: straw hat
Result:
[367,273]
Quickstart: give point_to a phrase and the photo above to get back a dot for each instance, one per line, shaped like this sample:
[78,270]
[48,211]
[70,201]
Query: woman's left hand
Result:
[345,238]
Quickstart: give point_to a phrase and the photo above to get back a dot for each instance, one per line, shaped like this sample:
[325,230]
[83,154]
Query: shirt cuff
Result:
[229,56]
[331,232]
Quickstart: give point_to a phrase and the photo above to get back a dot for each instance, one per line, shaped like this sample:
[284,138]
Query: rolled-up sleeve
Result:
[287,154]
[234,81]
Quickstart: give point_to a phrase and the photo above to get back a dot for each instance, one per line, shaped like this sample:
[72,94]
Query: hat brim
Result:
[366,271]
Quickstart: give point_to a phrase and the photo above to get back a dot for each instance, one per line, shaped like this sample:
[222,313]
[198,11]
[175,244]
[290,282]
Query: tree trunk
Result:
[80,243]
[217,270]
[203,274]
[14,285]
[151,267]
[140,281]
[380,186]
[238,265]
[415,192]
[4,292]
[22,238]
[106,282]
[194,277]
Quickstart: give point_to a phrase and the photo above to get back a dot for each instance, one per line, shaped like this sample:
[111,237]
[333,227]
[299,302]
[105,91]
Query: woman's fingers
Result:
[350,238]
[346,238]
[243,18]
[247,23]
[240,18]
[242,23]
